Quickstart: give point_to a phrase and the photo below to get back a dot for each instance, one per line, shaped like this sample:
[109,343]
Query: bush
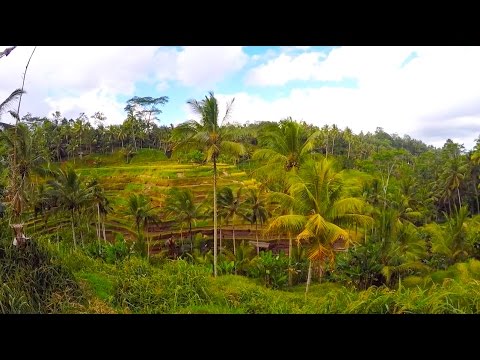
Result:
[273,269]
[360,266]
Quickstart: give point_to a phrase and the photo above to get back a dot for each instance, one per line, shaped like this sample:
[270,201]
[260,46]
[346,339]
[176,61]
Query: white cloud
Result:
[89,103]
[83,79]
[203,66]
[285,68]
[434,96]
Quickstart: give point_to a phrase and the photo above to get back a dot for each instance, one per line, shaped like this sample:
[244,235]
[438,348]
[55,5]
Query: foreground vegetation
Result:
[67,280]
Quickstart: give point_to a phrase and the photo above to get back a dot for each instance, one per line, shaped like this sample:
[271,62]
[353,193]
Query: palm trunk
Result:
[256,237]
[289,259]
[99,221]
[103,228]
[220,236]
[233,235]
[191,238]
[148,240]
[320,273]
[214,216]
[73,233]
[81,236]
[309,276]
[459,200]
[326,149]
[476,195]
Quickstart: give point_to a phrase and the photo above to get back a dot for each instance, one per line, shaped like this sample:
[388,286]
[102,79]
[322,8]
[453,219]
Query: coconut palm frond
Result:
[358,219]
[270,155]
[319,253]
[14,114]
[347,206]
[286,224]
[233,148]
[12,97]
[284,200]
[310,143]
[228,111]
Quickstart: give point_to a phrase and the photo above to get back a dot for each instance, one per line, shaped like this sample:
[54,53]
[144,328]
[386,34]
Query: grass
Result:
[55,278]
[100,283]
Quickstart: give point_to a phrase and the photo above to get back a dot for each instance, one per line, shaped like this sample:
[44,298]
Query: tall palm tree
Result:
[285,144]
[322,213]
[256,210]
[24,160]
[453,176]
[348,136]
[214,138]
[180,204]
[230,206]
[450,239]
[140,208]
[103,207]
[15,95]
[70,193]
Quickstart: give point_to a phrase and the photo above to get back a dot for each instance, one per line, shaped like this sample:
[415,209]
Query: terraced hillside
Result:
[150,173]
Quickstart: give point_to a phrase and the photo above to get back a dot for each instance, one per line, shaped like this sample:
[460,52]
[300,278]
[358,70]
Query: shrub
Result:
[273,269]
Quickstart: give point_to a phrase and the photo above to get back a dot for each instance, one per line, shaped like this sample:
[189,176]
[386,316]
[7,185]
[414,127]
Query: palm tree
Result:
[286,144]
[70,193]
[230,206]
[140,208]
[257,210]
[103,207]
[214,138]
[180,204]
[348,136]
[321,212]
[450,239]
[23,162]
[453,176]
[16,94]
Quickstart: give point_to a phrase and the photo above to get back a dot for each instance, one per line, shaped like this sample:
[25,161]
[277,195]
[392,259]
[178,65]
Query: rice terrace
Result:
[288,190]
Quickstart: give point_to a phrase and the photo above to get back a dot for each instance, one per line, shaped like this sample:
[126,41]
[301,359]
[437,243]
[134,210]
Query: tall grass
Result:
[31,282]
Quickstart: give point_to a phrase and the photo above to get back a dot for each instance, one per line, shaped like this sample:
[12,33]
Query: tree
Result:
[214,138]
[450,239]
[286,144]
[71,194]
[230,206]
[257,210]
[23,161]
[321,212]
[103,207]
[142,106]
[180,204]
[348,136]
[142,211]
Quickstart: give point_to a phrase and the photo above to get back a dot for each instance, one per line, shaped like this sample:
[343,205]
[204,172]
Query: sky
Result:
[430,93]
